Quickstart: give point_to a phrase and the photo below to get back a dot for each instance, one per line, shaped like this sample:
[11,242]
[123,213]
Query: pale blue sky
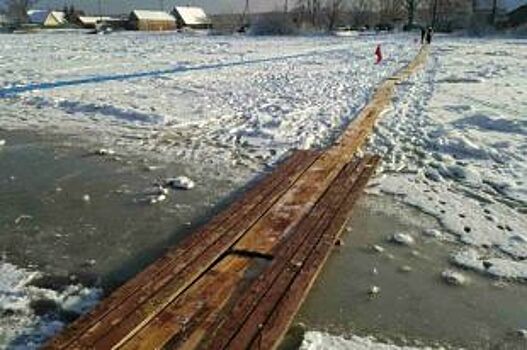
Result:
[124,6]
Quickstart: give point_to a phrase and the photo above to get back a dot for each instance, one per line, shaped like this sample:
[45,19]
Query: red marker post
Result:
[378,54]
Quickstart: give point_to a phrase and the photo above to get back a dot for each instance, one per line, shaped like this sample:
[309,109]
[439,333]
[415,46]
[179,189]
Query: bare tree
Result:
[334,10]
[390,10]
[361,11]
[494,11]
[410,7]
[17,9]
[450,14]
[245,17]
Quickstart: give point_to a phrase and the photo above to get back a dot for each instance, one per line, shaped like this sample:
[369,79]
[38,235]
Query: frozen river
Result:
[222,111]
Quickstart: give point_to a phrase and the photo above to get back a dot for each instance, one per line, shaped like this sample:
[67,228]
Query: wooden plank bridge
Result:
[238,282]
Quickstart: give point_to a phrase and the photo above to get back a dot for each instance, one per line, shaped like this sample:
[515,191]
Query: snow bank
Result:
[324,341]
[454,146]
[31,315]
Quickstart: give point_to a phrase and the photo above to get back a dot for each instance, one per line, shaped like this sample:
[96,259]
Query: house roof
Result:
[511,5]
[40,16]
[192,15]
[153,15]
[59,16]
[37,16]
[93,19]
[504,5]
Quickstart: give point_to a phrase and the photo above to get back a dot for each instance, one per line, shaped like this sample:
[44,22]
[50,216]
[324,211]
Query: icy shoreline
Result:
[324,341]
[29,314]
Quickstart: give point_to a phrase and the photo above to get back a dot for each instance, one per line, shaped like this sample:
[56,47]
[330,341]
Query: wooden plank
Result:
[275,327]
[236,324]
[176,323]
[149,335]
[292,207]
[137,310]
[238,217]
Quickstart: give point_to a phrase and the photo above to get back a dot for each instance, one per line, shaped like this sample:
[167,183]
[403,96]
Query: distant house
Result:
[192,17]
[91,21]
[518,17]
[484,9]
[47,18]
[151,20]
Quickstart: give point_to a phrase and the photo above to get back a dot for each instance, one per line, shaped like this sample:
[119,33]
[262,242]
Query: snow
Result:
[215,101]
[497,267]
[403,239]
[323,341]
[59,16]
[21,326]
[92,20]
[180,183]
[454,143]
[192,15]
[455,146]
[41,16]
[454,278]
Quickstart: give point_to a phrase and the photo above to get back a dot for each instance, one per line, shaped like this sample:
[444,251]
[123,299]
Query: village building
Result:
[518,17]
[90,22]
[483,9]
[47,18]
[151,20]
[191,17]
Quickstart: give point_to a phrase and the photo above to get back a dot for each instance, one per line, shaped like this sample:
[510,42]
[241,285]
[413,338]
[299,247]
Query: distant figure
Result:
[378,54]
[423,34]
[429,33]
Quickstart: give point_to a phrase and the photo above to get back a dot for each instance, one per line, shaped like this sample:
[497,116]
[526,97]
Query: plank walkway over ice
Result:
[238,282]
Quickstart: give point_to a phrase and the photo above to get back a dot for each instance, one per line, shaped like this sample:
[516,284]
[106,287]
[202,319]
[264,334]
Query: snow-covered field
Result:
[454,144]
[218,100]
[456,147]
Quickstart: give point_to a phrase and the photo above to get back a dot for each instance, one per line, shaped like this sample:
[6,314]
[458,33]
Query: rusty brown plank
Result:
[244,321]
[176,323]
[272,331]
[241,213]
[149,336]
[137,310]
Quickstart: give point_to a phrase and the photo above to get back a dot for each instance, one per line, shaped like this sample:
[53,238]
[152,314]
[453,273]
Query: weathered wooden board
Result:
[270,333]
[245,321]
[223,287]
[226,227]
